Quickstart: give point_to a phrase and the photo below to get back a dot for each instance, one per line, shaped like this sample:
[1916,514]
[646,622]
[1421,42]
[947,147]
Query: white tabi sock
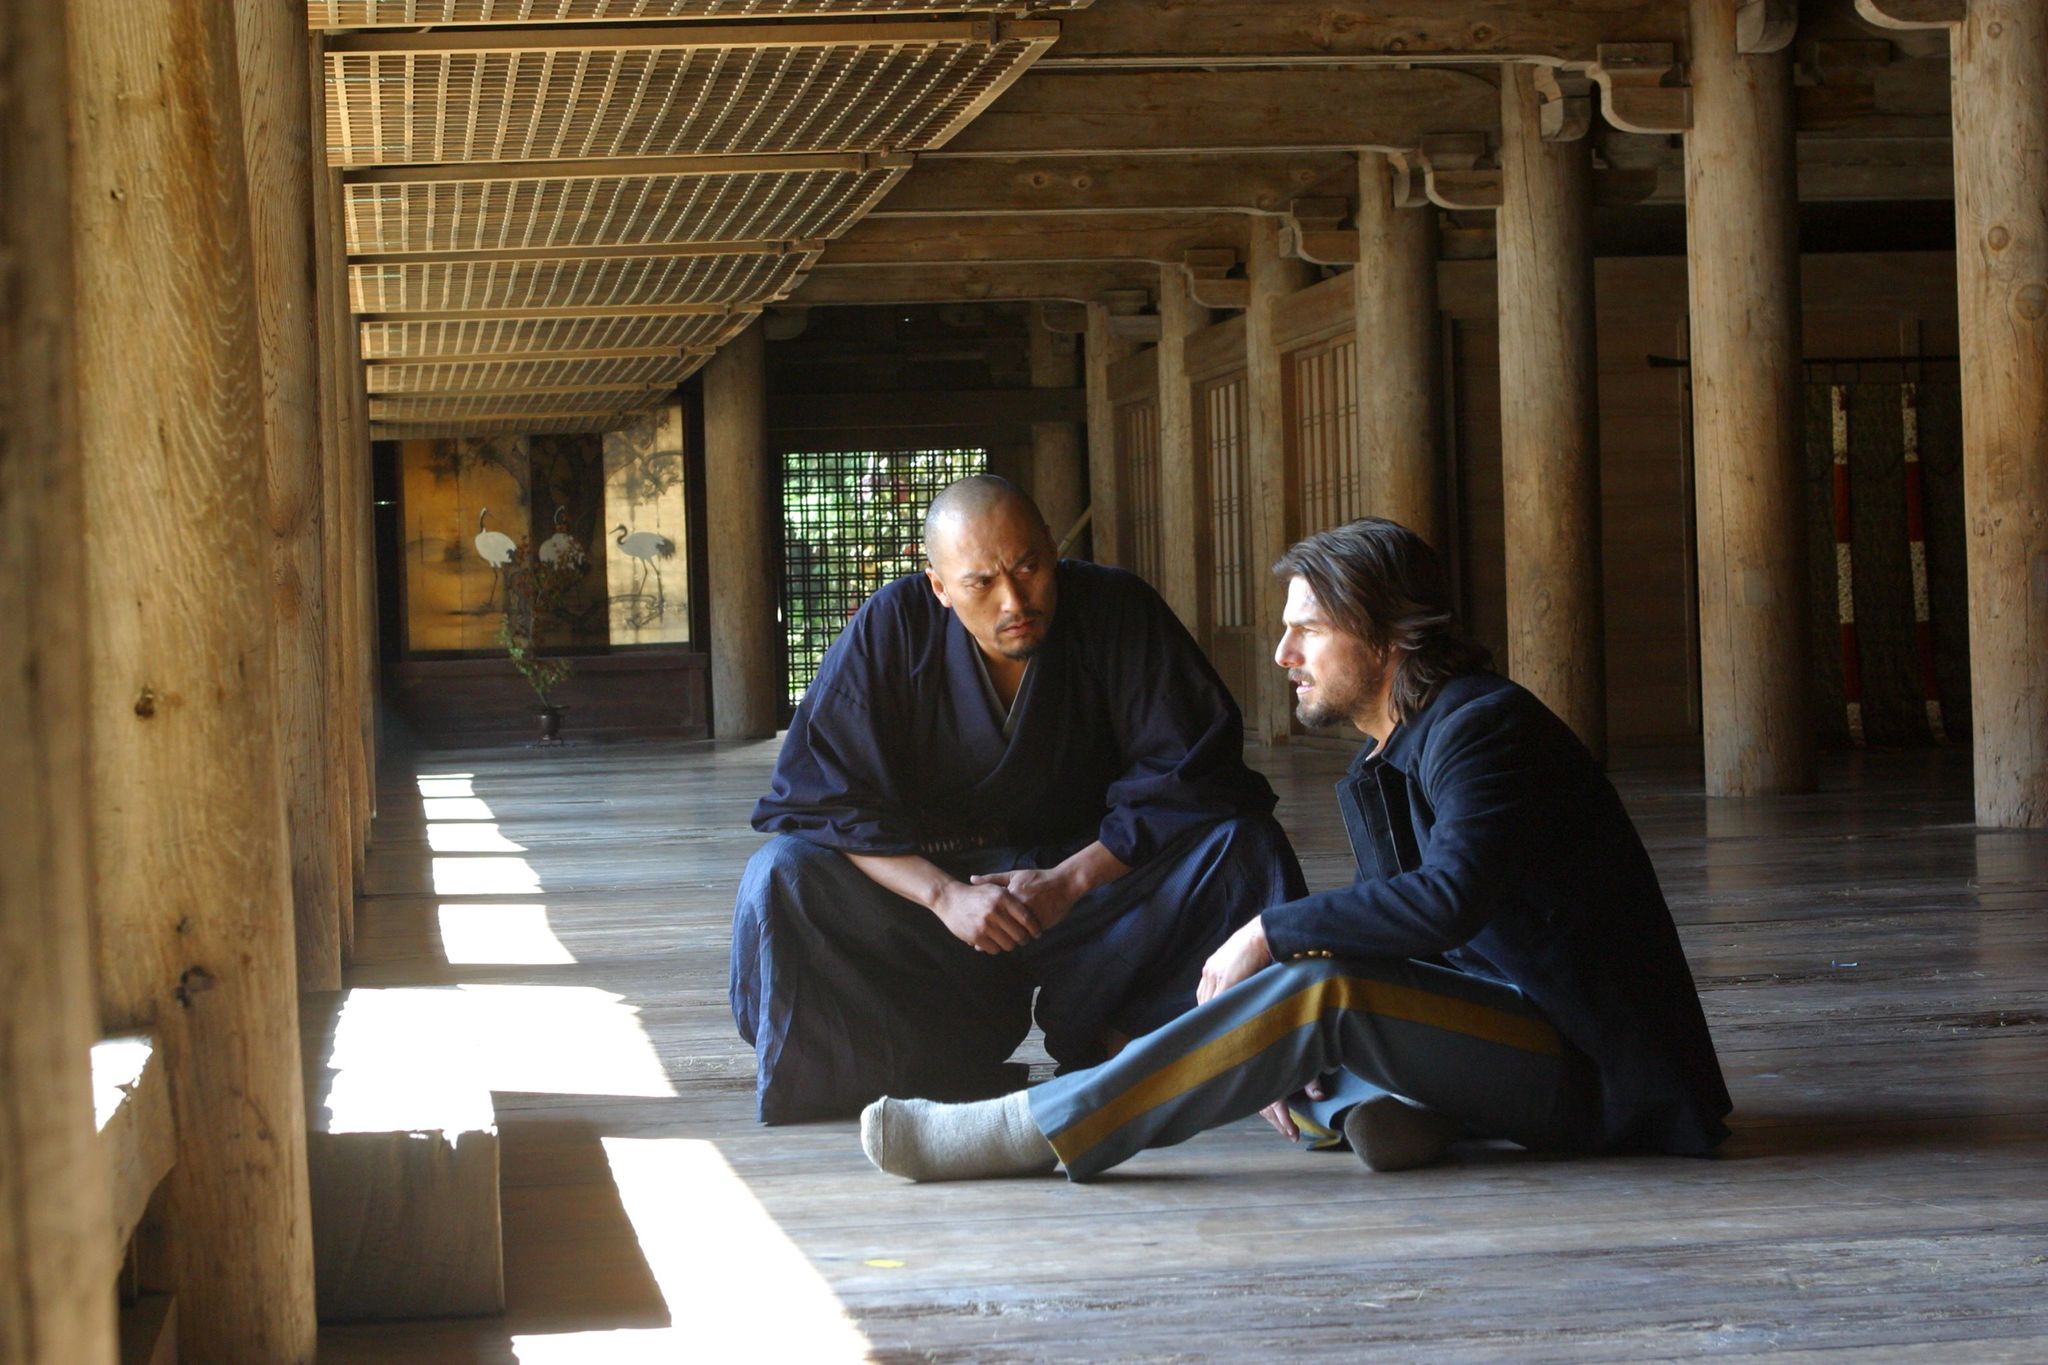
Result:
[925,1140]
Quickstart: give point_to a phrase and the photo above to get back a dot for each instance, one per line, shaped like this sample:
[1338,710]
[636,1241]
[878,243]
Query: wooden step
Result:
[402,1148]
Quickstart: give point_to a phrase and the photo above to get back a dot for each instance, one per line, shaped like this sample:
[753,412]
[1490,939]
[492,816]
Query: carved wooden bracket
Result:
[1765,25]
[1640,90]
[1566,114]
[1062,318]
[1209,283]
[1913,13]
[1456,170]
[1128,318]
[1317,231]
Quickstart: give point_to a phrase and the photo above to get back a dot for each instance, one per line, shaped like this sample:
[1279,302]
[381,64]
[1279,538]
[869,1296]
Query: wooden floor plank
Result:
[1873,967]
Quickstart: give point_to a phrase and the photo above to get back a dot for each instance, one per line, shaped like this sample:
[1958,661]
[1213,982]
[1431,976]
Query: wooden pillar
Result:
[1102,348]
[1743,252]
[745,684]
[359,500]
[1550,417]
[190,869]
[277,137]
[1394,301]
[56,1264]
[1998,64]
[1180,533]
[1274,275]
[1059,478]
[335,421]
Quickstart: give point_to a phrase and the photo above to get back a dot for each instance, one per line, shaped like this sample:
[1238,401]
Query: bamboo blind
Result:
[418,107]
[615,210]
[343,14]
[1137,454]
[484,286]
[1226,456]
[510,337]
[640,372]
[1323,404]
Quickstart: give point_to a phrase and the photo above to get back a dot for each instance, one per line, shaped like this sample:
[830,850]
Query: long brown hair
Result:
[1378,580]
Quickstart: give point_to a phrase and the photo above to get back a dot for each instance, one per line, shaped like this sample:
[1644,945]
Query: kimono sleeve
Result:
[1484,777]
[837,781]
[1179,733]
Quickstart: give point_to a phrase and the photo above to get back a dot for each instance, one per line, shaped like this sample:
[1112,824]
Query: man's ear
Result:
[931,576]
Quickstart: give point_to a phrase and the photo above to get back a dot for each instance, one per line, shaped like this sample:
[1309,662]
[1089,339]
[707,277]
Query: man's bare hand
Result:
[986,917]
[1282,1121]
[1242,954]
[1049,893]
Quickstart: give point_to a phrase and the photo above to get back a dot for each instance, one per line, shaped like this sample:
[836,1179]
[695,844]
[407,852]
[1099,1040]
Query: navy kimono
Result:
[1121,732]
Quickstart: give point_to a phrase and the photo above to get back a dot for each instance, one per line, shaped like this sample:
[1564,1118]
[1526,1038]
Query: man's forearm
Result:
[909,875]
[1091,867]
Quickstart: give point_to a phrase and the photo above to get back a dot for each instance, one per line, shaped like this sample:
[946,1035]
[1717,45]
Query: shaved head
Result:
[973,499]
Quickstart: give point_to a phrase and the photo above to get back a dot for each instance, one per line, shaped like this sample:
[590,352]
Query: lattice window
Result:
[1227,467]
[1137,457]
[1324,380]
[853,520]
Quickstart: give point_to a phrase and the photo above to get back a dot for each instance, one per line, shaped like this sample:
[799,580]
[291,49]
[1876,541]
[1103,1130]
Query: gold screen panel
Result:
[613,210]
[422,107]
[634,281]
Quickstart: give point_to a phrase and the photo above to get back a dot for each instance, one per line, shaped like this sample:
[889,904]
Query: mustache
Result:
[1018,619]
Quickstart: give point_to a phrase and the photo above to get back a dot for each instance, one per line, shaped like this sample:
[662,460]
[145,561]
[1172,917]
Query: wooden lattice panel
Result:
[510,337]
[338,14]
[630,281]
[418,408]
[640,371]
[905,93]
[611,210]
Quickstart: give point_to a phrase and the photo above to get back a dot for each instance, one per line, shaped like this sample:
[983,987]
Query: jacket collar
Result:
[1404,747]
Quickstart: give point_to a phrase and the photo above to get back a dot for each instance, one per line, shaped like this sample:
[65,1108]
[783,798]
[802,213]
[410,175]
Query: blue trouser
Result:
[1464,1045]
[849,992]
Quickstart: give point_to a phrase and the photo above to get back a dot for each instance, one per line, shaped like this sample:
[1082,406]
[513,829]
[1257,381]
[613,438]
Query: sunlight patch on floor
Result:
[500,935]
[485,876]
[456,808]
[446,784]
[470,836]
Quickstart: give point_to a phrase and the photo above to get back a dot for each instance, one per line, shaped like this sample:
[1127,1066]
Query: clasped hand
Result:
[996,912]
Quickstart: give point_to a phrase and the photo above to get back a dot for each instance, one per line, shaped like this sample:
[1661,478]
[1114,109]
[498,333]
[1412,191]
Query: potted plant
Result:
[537,578]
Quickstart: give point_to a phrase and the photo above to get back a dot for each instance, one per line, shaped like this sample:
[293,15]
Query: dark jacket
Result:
[1489,840]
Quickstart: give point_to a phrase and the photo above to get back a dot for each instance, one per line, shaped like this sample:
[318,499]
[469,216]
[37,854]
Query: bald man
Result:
[1015,774]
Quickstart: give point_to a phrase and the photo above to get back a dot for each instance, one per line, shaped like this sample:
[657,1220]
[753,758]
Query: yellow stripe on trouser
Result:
[1276,1021]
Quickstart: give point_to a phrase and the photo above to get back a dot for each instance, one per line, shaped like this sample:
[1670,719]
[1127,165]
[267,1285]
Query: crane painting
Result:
[648,547]
[496,549]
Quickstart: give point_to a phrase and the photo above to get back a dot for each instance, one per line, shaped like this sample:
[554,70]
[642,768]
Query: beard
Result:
[1339,703]
[1028,648]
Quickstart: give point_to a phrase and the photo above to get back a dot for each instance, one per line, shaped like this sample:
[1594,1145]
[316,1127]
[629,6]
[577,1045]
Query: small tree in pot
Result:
[537,579]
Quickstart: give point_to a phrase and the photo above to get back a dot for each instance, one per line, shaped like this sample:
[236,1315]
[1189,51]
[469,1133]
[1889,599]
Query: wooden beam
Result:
[1080,282]
[1913,14]
[1273,277]
[1102,348]
[696,37]
[1220,183]
[1155,237]
[1742,249]
[926,408]
[1180,531]
[1395,310]
[57,1261]
[1067,113]
[191,866]
[1149,33]
[132,1100]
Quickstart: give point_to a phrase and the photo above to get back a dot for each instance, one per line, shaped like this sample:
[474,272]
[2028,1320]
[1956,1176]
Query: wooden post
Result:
[1743,252]
[277,138]
[335,419]
[1102,348]
[745,687]
[190,868]
[1550,417]
[359,498]
[1394,299]
[1998,70]
[1269,710]
[56,1264]
[1059,480]
[1179,507]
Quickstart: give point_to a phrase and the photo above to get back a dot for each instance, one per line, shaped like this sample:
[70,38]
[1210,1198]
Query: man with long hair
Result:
[1503,967]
